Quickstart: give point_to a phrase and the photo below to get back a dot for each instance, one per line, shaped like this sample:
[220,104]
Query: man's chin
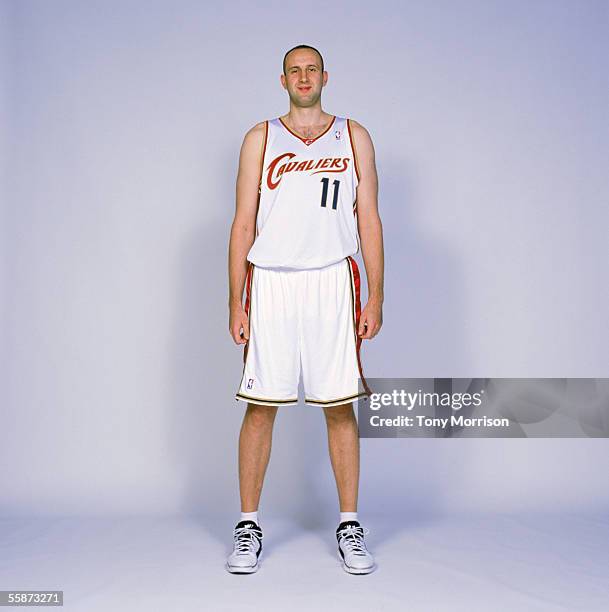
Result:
[304,101]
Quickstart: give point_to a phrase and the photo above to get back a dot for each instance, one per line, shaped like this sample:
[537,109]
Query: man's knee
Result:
[341,413]
[258,415]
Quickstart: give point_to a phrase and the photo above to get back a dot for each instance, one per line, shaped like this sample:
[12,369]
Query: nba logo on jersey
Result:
[337,134]
[250,383]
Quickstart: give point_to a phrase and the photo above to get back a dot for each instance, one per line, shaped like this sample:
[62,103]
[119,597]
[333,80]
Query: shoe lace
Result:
[245,539]
[352,538]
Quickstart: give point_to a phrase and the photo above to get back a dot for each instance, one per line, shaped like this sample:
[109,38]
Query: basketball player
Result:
[306,184]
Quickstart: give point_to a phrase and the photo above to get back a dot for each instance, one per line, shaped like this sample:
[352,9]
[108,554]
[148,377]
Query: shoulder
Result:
[360,137]
[254,141]
[358,130]
[256,133]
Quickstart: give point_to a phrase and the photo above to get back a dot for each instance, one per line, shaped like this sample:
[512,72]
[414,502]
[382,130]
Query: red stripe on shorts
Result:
[357,305]
[248,289]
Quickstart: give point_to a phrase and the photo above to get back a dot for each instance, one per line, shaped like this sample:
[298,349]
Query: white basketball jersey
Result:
[307,209]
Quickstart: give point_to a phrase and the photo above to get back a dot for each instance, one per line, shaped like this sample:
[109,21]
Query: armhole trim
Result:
[355,163]
[266,137]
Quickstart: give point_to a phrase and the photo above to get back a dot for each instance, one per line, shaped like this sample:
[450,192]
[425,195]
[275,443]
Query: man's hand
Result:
[239,321]
[370,320]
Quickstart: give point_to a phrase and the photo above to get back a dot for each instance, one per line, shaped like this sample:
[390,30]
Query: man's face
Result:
[303,78]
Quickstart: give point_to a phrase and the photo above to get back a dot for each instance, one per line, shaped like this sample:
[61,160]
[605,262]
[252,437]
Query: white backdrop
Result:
[121,127]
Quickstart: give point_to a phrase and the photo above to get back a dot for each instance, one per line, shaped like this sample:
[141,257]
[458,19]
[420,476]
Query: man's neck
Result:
[307,118]
[308,122]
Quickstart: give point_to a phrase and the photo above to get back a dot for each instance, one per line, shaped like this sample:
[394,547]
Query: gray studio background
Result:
[120,131]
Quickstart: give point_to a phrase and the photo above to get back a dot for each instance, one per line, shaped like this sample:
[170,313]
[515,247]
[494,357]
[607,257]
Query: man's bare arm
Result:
[243,230]
[370,231]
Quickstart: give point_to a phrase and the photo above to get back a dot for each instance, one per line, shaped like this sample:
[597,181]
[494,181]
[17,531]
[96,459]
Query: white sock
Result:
[250,516]
[348,516]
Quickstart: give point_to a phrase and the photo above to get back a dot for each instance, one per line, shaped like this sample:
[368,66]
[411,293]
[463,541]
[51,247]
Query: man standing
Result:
[306,197]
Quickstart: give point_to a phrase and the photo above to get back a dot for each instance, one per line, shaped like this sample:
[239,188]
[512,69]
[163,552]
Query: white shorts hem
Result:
[335,402]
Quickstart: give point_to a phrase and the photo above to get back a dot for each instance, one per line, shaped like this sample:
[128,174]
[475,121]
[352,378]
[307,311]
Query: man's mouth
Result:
[304,89]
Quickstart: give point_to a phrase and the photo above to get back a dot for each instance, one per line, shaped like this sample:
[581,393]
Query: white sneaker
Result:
[247,548]
[352,549]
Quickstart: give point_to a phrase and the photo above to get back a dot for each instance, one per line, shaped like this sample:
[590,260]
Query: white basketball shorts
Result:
[302,319]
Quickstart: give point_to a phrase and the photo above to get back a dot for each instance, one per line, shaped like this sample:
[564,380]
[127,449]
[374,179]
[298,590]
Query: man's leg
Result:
[254,452]
[271,369]
[343,445]
[331,372]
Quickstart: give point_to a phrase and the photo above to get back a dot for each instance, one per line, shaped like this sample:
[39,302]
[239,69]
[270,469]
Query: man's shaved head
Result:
[302,47]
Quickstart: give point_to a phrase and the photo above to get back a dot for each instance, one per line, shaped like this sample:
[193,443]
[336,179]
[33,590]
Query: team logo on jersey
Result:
[286,163]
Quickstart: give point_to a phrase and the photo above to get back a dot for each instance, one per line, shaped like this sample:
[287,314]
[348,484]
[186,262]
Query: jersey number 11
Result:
[324,193]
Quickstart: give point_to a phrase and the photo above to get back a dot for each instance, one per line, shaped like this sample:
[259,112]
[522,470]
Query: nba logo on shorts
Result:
[250,383]
[337,134]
